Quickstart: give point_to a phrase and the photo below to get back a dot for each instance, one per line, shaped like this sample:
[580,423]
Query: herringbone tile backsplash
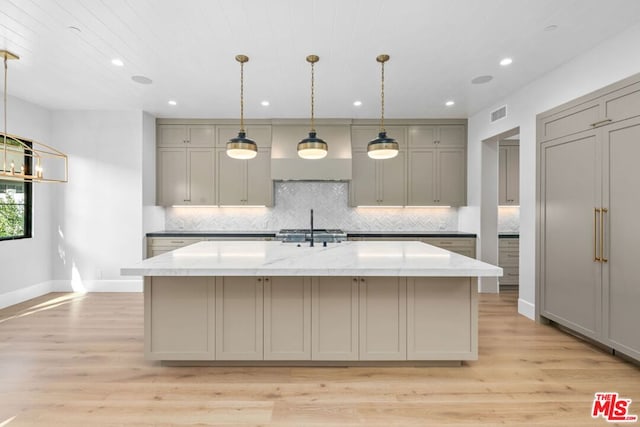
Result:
[329,201]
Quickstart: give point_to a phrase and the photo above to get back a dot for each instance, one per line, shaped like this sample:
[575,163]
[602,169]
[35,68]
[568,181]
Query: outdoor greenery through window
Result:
[15,201]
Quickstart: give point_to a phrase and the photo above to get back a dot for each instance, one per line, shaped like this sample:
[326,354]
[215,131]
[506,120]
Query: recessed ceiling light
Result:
[142,80]
[481,80]
[551,27]
[357,103]
[449,103]
[172,102]
[506,61]
[265,103]
[117,62]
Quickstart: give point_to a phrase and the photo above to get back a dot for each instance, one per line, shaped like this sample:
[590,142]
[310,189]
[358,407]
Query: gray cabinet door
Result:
[172,176]
[621,177]
[334,318]
[259,183]
[232,182]
[422,173]
[513,175]
[570,191]
[239,318]
[392,176]
[201,175]
[364,184]
[451,180]
[383,318]
[287,318]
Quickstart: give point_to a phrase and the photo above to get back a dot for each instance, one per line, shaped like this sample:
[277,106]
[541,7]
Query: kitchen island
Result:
[267,302]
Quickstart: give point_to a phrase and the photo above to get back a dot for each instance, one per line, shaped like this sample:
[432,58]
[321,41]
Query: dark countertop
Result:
[178,233]
[508,235]
[409,234]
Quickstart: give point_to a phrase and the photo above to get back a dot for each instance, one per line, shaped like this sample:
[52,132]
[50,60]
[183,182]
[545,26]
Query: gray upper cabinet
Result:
[437,165]
[176,135]
[245,182]
[617,102]
[378,182]
[185,176]
[509,174]
[588,226]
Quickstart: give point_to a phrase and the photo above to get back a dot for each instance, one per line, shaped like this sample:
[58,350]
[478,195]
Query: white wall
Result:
[606,63]
[99,212]
[27,262]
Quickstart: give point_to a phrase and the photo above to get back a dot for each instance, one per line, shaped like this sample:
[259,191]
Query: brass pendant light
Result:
[19,153]
[312,147]
[242,147]
[382,147]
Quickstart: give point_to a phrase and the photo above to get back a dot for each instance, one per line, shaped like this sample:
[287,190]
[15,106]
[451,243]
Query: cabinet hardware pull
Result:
[601,122]
[259,279]
[266,279]
[362,279]
[602,212]
[355,280]
[177,241]
[596,211]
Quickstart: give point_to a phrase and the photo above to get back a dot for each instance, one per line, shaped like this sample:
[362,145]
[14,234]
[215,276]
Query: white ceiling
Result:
[188,47]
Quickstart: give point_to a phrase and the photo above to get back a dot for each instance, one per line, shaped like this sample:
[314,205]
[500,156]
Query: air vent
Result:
[498,114]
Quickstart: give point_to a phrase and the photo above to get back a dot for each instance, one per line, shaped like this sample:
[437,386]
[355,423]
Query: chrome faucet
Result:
[311,244]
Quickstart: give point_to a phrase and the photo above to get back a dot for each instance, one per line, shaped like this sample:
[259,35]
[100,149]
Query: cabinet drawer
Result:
[457,242]
[508,257]
[511,276]
[175,242]
[509,243]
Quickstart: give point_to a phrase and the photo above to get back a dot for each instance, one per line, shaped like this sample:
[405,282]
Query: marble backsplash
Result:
[508,219]
[294,199]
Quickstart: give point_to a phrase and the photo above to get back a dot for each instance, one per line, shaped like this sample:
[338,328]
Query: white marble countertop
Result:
[359,258]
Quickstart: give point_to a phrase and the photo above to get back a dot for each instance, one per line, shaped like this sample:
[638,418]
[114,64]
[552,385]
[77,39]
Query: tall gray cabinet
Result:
[588,203]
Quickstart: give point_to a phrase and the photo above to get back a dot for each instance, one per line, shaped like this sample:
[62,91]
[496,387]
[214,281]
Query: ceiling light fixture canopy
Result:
[382,147]
[18,154]
[312,147]
[242,147]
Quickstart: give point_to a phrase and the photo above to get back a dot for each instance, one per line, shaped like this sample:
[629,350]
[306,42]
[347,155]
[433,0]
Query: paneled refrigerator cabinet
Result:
[588,227]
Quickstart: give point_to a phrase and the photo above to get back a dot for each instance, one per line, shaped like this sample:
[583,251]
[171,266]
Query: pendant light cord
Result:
[382,100]
[242,96]
[313,128]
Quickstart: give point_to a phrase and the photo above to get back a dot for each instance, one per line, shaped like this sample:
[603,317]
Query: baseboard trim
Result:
[526,309]
[24,294]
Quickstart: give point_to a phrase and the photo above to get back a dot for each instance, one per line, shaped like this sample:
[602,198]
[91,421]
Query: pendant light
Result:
[382,147]
[242,147]
[19,153]
[312,147]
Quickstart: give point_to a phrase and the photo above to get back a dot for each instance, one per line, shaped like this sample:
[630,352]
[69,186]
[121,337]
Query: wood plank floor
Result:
[77,360]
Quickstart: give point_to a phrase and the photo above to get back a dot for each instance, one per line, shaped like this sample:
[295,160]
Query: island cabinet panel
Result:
[239,318]
[383,318]
[180,323]
[442,318]
[287,318]
[334,318]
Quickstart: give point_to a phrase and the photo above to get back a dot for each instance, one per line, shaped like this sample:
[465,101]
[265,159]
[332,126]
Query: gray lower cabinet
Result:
[334,318]
[310,318]
[180,321]
[383,318]
[430,301]
[287,318]
[509,260]
[588,218]
[239,318]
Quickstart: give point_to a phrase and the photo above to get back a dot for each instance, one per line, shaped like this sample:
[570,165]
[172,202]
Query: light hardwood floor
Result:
[77,360]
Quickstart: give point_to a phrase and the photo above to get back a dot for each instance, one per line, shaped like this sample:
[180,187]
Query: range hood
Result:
[286,165]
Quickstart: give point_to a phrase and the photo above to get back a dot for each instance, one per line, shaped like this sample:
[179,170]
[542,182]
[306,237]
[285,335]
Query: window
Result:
[16,201]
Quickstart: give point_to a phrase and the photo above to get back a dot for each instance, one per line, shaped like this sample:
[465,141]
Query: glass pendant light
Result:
[242,147]
[312,147]
[382,147]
